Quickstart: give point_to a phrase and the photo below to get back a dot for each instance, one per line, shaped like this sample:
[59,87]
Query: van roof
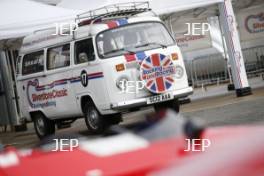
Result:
[44,39]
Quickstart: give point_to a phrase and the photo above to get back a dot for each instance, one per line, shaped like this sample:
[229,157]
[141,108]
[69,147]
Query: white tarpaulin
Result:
[21,17]
[160,7]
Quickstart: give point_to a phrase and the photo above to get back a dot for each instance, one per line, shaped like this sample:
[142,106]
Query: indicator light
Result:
[174,56]
[120,67]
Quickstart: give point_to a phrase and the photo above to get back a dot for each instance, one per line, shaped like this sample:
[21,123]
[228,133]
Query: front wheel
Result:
[43,126]
[172,104]
[93,119]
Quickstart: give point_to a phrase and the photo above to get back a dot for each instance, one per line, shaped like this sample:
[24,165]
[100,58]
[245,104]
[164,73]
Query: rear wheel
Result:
[93,119]
[173,104]
[43,126]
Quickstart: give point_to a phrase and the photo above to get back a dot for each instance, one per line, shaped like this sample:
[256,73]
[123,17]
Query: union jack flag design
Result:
[139,57]
[116,23]
[157,70]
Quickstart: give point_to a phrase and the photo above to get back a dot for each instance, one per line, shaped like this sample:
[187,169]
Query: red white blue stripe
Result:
[64,81]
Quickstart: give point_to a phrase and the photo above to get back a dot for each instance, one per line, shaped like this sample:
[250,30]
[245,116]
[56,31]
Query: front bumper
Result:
[143,101]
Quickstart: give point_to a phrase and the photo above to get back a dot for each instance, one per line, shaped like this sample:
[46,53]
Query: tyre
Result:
[43,126]
[93,119]
[173,104]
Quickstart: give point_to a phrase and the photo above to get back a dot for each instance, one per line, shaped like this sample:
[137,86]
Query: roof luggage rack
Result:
[112,11]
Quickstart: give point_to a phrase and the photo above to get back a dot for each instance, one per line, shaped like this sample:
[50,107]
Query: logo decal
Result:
[84,78]
[47,96]
[41,96]
[158,71]
[255,23]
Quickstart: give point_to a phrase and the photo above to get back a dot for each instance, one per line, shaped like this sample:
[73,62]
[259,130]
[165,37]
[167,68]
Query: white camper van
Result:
[115,62]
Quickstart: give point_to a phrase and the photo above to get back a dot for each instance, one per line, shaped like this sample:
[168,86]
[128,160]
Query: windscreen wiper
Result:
[151,43]
[119,49]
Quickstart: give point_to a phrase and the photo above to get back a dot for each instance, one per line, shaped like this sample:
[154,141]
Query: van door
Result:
[88,74]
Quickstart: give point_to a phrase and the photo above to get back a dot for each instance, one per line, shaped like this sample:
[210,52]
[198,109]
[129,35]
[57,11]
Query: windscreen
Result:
[132,38]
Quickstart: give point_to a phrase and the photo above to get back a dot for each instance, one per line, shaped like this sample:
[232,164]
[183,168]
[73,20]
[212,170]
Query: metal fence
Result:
[213,69]
[254,61]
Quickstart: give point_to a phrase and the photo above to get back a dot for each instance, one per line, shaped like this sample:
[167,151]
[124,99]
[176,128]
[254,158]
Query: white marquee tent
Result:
[21,17]
[160,7]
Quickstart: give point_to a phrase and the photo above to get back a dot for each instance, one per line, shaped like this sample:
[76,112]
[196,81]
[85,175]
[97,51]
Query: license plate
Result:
[160,98]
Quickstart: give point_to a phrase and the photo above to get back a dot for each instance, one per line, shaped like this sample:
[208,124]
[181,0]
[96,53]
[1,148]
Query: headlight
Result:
[178,72]
[121,82]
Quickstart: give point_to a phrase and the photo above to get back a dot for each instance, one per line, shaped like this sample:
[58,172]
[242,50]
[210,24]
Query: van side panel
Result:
[90,80]
[55,95]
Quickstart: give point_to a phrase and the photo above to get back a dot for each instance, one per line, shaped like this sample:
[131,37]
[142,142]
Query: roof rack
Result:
[114,11]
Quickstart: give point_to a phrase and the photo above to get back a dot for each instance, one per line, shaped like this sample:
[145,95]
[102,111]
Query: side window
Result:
[33,63]
[58,57]
[84,51]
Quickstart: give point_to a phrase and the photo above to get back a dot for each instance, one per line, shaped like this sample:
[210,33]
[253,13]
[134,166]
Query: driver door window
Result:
[84,51]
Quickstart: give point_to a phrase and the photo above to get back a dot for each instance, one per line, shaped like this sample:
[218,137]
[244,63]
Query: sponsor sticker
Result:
[255,23]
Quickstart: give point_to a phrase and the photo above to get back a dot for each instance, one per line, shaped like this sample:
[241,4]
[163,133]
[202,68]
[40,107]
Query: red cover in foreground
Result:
[234,151]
